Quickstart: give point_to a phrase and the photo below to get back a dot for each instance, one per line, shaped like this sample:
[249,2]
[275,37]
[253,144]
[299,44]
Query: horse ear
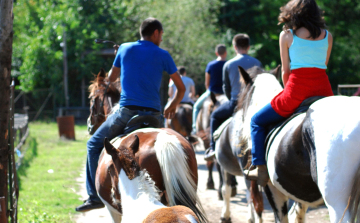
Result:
[102,73]
[277,72]
[109,148]
[213,98]
[244,76]
[135,144]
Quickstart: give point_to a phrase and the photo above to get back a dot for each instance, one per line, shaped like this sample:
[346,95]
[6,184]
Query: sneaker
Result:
[209,154]
[89,205]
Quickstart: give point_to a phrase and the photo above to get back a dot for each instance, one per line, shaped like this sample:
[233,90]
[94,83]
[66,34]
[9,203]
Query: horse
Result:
[203,131]
[140,198]
[170,161]
[229,155]
[182,121]
[103,96]
[314,158]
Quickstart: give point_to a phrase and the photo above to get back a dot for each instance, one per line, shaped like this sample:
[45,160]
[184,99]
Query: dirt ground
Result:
[209,201]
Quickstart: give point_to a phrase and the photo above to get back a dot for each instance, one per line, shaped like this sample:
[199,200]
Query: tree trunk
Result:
[6,39]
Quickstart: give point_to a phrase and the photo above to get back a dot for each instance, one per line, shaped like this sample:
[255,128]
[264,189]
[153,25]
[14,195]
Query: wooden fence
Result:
[18,132]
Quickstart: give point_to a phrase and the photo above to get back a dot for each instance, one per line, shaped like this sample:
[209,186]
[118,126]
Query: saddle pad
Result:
[218,131]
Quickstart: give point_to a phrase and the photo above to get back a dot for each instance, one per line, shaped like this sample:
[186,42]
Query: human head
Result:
[151,29]
[241,41]
[220,49]
[302,13]
[182,70]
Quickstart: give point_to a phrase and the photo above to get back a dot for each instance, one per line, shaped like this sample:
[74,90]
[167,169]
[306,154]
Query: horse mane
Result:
[247,90]
[147,187]
[98,85]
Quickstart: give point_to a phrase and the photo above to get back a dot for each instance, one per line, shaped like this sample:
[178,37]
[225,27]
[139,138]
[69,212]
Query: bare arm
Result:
[226,83]
[207,80]
[284,43]
[330,43]
[169,111]
[114,73]
[192,92]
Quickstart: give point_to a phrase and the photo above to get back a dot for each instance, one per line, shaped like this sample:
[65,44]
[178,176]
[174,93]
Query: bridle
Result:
[101,103]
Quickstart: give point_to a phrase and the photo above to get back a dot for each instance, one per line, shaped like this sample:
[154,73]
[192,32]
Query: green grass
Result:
[44,196]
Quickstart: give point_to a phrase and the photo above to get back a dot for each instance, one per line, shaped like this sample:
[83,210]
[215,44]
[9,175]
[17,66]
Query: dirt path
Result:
[209,201]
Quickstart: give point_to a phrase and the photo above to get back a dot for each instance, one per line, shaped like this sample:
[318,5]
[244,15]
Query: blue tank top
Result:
[308,53]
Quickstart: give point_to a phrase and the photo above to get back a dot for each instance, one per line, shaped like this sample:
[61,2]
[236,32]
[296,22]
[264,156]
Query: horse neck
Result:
[266,88]
[134,197]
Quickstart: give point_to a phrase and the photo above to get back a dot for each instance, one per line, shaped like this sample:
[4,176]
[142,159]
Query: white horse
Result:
[140,197]
[315,157]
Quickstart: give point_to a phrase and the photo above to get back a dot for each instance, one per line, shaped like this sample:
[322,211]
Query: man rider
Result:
[140,65]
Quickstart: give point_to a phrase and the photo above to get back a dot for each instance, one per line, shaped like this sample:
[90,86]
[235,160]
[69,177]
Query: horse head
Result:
[103,95]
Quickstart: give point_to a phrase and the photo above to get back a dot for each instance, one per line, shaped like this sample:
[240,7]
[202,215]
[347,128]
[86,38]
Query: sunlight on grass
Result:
[48,172]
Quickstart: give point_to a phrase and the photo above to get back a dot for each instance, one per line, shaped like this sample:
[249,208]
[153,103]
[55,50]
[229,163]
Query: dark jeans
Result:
[259,123]
[220,115]
[112,127]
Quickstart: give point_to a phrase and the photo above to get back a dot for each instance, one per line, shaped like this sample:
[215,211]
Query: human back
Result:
[142,63]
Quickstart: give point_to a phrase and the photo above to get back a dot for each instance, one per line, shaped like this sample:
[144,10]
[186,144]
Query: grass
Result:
[46,196]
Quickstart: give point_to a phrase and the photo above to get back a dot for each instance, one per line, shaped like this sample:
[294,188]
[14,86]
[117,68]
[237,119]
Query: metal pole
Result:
[65,69]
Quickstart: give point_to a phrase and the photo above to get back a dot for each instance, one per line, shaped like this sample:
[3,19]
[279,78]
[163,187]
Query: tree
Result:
[6,39]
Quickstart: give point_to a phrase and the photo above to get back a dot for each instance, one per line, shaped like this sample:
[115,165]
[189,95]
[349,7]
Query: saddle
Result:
[275,129]
[138,122]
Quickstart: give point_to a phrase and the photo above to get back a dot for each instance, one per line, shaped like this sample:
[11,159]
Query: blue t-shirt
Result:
[214,68]
[142,64]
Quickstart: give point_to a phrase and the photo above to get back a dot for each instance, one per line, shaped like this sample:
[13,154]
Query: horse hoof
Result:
[233,191]
[220,196]
[224,220]
[210,186]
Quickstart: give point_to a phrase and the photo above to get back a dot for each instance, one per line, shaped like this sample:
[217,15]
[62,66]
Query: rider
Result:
[189,85]
[305,47]
[231,86]
[141,65]
[213,81]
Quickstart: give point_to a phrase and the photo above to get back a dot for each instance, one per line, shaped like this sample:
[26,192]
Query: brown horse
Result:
[103,96]
[141,200]
[182,121]
[170,161]
[203,131]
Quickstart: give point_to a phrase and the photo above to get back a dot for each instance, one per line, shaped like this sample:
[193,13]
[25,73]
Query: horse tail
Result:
[257,198]
[196,142]
[178,180]
[354,199]
[183,118]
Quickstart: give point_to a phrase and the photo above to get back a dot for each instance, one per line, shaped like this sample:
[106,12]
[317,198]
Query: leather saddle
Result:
[275,129]
[141,121]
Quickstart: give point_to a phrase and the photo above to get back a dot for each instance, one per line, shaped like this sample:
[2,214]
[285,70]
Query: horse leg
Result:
[210,181]
[254,201]
[278,202]
[226,193]
[221,181]
[297,212]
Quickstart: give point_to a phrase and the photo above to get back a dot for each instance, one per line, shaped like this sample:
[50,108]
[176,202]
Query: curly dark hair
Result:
[302,13]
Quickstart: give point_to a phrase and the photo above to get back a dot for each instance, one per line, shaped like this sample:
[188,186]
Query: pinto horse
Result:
[140,198]
[168,158]
[103,96]
[233,160]
[314,158]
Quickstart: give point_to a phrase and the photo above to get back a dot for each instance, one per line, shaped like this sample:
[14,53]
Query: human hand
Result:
[169,111]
